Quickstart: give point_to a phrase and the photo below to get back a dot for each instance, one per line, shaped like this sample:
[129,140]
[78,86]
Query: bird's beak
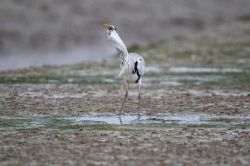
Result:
[106,26]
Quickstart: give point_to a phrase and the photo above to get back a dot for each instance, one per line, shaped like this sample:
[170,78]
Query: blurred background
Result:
[37,32]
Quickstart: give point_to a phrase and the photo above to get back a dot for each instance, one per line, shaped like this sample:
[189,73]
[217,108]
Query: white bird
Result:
[132,65]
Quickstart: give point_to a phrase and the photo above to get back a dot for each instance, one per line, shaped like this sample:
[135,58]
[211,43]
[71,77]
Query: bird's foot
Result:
[138,115]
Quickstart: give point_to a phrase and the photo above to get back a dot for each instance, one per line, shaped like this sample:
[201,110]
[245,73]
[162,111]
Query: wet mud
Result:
[72,124]
[108,145]
[76,100]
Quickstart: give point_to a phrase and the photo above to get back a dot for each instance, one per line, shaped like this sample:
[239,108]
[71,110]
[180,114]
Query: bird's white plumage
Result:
[132,64]
[128,68]
[117,41]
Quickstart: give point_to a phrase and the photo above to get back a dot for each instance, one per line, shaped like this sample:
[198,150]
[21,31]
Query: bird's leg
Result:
[121,72]
[139,98]
[120,119]
[125,66]
[125,98]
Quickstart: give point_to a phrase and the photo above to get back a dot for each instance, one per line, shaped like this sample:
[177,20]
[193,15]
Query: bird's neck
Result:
[119,44]
[124,58]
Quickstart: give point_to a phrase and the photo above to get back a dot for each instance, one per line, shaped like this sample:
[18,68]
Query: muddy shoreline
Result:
[72,100]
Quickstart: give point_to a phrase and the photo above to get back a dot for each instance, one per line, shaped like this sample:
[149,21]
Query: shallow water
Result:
[13,123]
[204,70]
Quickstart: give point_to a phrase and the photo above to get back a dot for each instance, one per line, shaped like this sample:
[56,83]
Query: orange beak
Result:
[106,26]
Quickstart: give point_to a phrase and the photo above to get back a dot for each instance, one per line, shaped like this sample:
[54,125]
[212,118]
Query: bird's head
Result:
[115,38]
[109,28]
[111,32]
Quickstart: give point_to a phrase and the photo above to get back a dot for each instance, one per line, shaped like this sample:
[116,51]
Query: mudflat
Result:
[195,108]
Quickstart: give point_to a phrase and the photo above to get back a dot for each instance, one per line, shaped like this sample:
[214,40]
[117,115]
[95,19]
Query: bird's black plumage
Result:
[135,71]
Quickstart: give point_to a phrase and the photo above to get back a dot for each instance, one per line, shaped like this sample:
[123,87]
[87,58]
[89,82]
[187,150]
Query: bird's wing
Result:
[138,62]
[141,66]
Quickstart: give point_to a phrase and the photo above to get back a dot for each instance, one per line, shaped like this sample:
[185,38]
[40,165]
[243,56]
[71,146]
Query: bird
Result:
[132,65]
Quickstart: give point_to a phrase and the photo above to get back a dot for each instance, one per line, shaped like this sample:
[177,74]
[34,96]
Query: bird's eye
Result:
[112,28]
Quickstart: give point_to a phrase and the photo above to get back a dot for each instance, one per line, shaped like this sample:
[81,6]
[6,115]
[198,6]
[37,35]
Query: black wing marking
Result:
[136,71]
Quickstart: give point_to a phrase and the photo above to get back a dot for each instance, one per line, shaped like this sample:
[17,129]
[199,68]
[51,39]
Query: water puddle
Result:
[204,70]
[179,80]
[184,69]
[134,119]
[13,123]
